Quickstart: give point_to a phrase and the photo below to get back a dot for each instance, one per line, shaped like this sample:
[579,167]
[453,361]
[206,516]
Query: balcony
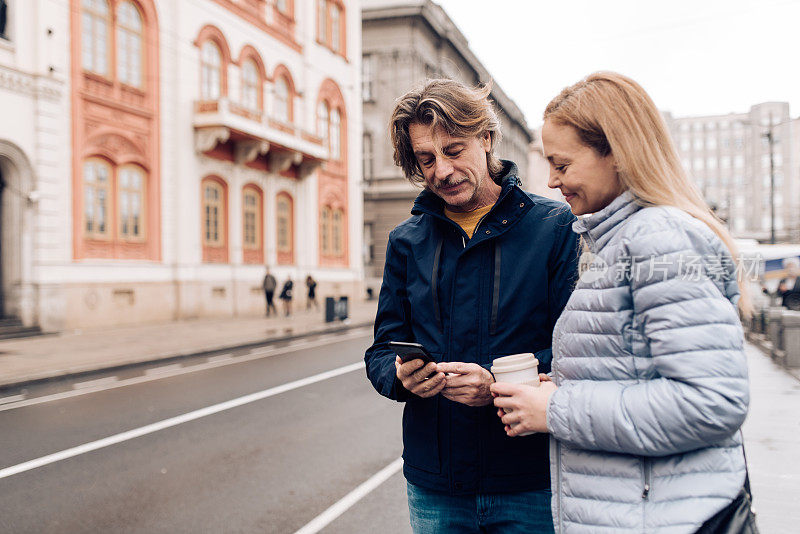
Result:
[253,134]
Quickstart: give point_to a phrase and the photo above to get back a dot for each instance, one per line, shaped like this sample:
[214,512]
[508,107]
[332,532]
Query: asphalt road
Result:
[267,463]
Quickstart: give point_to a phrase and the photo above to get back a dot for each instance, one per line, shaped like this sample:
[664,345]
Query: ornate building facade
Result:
[160,153]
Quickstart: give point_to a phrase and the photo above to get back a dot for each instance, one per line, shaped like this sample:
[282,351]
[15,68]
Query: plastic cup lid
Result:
[515,362]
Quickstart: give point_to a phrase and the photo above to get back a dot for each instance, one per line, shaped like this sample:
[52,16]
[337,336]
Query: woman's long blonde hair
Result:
[614,115]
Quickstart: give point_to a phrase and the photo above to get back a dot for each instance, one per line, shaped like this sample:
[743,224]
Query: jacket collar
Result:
[598,228]
[429,202]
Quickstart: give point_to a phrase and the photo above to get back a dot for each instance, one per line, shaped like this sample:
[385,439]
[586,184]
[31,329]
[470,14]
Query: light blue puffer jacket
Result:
[648,356]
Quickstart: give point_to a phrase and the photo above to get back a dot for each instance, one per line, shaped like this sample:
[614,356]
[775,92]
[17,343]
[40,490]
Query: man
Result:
[269,285]
[481,269]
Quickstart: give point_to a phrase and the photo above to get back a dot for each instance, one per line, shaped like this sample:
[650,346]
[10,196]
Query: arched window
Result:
[337,232]
[119,202]
[251,85]
[331,116]
[336,134]
[131,203]
[95,24]
[325,230]
[251,219]
[336,33]
[284,217]
[331,24]
[96,194]
[322,21]
[210,71]
[129,45]
[323,124]
[282,100]
[213,214]
[332,125]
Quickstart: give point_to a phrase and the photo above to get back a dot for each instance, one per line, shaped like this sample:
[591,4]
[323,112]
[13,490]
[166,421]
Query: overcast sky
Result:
[694,57]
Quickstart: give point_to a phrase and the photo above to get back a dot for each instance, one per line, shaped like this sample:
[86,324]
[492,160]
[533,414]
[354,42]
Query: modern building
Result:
[404,43]
[157,154]
[741,172]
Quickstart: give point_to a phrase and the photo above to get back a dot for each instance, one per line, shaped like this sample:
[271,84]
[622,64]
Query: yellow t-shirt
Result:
[468,220]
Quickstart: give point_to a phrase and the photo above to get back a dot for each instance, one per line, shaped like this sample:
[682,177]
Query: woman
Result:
[649,375]
[311,299]
[286,296]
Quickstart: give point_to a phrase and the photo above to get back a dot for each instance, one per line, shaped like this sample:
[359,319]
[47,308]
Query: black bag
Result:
[736,518]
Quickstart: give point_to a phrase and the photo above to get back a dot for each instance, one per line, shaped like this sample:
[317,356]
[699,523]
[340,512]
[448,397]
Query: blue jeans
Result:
[433,512]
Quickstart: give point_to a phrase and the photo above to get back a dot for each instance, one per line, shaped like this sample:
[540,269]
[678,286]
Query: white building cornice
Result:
[29,84]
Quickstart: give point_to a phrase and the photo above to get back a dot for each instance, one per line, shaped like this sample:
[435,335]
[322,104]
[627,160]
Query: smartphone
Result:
[410,351]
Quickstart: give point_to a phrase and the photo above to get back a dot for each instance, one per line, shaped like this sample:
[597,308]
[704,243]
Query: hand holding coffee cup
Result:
[515,376]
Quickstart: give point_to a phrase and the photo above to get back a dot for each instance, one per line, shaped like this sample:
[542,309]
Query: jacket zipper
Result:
[645,489]
[464,244]
[646,469]
[478,224]
[557,511]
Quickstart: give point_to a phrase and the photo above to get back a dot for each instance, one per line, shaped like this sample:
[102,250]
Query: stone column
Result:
[791,338]
[775,331]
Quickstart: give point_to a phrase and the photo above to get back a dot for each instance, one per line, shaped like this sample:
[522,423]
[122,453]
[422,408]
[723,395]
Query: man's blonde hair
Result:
[614,115]
[460,110]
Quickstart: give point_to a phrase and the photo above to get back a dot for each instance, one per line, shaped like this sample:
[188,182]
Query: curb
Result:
[66,374]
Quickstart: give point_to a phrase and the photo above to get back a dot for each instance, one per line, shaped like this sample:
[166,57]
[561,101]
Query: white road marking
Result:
[211,363]
[174,421]
[340,507]
[163,369]
[11,398]
[100,382]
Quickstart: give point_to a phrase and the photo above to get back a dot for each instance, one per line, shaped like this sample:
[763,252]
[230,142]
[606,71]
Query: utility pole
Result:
[771,141]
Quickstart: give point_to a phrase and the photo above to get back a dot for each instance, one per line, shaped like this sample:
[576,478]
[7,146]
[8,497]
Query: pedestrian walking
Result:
[311,299]
[481,269]
[788,290]
[649,383]
[269,285]
[286,296]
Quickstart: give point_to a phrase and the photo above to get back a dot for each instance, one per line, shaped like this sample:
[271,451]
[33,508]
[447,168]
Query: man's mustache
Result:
[449,183]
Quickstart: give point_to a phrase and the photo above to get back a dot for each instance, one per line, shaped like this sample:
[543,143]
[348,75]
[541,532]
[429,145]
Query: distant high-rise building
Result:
[728,156]
[404,43]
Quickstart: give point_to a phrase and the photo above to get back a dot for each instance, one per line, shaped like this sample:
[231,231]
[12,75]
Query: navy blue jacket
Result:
[473,300]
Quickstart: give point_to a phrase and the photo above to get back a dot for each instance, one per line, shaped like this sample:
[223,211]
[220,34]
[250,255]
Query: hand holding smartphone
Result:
[410,351]
[411,379]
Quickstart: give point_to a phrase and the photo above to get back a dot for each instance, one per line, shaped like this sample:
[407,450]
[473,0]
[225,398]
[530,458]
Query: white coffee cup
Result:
[517,369]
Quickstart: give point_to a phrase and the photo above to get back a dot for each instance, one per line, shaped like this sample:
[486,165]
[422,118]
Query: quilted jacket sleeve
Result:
[390,325]
[562,269]
[698,392]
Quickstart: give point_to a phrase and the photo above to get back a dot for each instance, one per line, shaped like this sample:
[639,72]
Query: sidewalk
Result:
[772,443]
[68,353]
